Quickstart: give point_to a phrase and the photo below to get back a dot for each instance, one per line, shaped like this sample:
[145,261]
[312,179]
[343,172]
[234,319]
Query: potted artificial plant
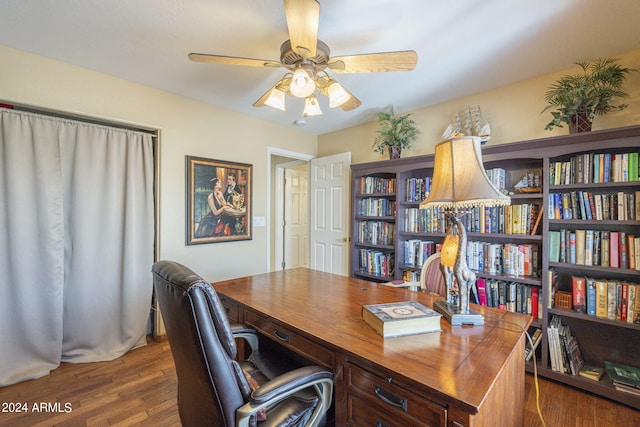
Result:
[576,99]
[394,133]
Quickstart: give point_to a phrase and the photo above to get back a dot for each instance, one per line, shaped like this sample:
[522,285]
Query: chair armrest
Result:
[293,380]
[240,330]
[286,385]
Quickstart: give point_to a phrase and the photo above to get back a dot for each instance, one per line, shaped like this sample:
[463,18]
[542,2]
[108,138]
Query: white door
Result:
[330,195]
[296,218]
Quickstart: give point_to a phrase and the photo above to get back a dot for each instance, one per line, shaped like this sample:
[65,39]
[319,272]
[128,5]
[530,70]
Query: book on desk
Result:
[401,318]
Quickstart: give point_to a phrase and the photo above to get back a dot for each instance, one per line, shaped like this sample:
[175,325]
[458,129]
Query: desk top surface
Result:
[460,362]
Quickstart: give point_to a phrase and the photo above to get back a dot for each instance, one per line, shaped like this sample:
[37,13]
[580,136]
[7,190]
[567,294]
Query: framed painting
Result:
[218,201]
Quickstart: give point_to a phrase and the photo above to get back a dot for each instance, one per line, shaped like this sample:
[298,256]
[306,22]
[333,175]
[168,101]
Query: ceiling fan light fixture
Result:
[276,99]
[302,83]
[311,107]
[337,95]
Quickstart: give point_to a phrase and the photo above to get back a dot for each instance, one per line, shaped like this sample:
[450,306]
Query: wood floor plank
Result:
[139,389]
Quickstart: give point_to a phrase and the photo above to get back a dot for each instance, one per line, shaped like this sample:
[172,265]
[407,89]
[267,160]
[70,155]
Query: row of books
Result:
[498,177]
[521,219]
[503,258]
[375,184]
[564,351]
[510,296]
[607,299]
[372,206]
[376,232]
[614,249]
[416,251]
[590,168]
[585,205]
[417,189]
[376,262]
[431,220]
[411,276]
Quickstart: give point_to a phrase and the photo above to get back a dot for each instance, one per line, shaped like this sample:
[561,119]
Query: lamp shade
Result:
[459,178]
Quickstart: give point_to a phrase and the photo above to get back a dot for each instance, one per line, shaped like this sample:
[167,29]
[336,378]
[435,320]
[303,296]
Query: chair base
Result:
[455,317]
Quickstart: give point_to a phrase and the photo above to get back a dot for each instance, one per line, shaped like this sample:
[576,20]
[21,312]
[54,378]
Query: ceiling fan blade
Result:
[232,60]
[351,104]
[405,60]
[303,17]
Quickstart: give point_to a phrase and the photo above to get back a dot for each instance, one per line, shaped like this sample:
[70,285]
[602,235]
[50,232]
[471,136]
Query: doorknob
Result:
[346,239]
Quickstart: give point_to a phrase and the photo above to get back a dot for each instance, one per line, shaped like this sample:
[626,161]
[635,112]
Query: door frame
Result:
[295,157]
[279,211]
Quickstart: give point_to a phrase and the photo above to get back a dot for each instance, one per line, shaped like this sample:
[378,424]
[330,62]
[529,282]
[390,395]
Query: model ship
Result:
[475,126]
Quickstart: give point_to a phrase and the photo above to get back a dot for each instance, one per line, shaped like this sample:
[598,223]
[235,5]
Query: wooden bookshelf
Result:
[600,339]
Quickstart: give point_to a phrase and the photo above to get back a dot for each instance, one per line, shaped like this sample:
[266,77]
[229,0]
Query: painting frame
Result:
[218,200]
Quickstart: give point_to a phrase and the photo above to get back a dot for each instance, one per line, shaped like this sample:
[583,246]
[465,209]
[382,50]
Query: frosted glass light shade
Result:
[337,95]
[311,107]
[302,84]
[459,178]
[276,99]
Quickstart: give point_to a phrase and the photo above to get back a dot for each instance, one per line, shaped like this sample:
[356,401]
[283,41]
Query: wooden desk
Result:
[462,376]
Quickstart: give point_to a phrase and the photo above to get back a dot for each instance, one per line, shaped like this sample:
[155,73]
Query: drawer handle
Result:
[390,398]
[381,424]
[281,336]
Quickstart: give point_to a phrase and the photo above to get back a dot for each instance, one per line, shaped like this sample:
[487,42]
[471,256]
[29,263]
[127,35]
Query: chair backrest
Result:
[211,386]
[431,278]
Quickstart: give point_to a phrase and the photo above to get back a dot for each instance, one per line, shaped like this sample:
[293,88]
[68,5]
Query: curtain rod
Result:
[77,117]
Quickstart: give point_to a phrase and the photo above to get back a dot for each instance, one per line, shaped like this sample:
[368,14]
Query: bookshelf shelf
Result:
[586,318]
[597,268]
[599,338]
[604,185]
[536,281]
[592,222]
[375,218]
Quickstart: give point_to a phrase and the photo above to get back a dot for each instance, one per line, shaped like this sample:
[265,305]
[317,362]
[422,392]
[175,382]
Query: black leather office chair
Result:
[213,388]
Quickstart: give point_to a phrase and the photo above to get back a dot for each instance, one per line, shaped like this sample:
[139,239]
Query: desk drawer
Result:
[290,339]
[231,308]
[394,402]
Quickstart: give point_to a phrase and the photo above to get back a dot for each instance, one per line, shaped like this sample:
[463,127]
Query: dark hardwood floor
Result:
[139,389]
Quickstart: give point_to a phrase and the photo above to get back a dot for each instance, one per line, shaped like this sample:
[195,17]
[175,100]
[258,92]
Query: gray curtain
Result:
[76,242]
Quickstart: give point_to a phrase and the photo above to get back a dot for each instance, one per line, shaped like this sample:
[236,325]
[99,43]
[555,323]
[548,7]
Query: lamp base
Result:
[455,317]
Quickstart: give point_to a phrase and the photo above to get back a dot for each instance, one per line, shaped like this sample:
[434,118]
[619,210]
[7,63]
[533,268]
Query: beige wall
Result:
[513,112]
[186,126]
[194,128]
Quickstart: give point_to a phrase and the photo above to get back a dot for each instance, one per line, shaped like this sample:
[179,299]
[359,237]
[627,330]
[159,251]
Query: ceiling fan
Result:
[307,60]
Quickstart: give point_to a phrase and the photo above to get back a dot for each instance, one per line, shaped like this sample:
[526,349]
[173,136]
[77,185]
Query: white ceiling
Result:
[463,46]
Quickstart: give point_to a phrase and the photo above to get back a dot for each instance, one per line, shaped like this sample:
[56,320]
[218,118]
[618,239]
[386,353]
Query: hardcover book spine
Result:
[535,301]
[591,296]
[612,301]
[624,303]
[614,249]
[579,289]
[580,247]
[482,292]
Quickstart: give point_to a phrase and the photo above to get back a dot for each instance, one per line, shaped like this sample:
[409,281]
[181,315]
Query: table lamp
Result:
[459,182]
